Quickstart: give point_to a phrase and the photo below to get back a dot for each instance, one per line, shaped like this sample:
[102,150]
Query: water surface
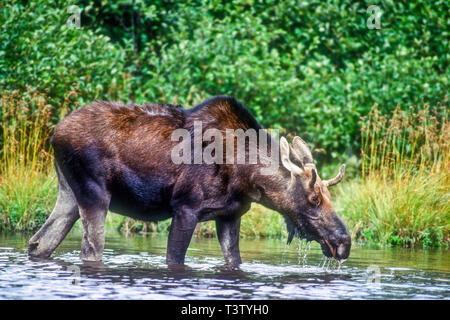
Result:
[134,268]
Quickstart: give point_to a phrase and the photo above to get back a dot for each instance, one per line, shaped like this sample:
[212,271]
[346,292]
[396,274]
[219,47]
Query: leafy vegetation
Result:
[310,68]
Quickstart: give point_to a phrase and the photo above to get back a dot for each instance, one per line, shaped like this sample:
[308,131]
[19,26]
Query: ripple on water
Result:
[270,271]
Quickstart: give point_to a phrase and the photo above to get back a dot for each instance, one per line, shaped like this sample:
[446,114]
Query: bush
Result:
[39,52]
[310,68]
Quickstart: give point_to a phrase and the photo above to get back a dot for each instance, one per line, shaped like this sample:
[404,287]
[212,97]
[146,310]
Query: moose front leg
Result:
[228,234]
[93,201]
[181,230]
[93,241]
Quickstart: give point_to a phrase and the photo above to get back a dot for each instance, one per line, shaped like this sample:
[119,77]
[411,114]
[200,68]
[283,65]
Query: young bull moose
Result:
[110,156]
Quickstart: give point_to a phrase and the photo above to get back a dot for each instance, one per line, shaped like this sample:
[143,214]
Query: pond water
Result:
[134,268]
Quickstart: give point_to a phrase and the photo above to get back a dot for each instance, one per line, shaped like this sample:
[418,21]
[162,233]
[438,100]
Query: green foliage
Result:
[25,205]
[311,68]
[404,212]
[40,52]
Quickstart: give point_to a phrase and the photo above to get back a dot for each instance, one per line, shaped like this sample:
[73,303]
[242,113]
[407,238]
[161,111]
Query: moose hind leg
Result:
[58,224]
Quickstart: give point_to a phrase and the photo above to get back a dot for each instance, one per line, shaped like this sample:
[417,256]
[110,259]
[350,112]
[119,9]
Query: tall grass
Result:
[403,198]
[27,182]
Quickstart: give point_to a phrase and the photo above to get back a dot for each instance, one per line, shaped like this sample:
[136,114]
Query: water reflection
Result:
[134,268]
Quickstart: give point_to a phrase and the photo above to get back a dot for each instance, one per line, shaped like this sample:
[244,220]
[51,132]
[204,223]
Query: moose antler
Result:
[336,179]
[303,153]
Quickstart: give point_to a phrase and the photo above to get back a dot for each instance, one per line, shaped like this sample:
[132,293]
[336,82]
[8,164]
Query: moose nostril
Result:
[343,249]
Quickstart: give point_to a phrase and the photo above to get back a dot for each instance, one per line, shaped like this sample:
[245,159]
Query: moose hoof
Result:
[36,251]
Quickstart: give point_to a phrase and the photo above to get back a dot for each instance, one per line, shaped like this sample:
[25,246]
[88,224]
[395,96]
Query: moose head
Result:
[302,197]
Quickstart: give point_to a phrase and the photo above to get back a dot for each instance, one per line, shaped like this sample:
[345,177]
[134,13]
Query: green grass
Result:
[27,183]
[26,200]
[403,196]
[408,212]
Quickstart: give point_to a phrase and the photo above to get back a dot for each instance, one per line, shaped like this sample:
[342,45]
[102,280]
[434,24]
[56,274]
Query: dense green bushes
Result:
[39,51]
[312,68]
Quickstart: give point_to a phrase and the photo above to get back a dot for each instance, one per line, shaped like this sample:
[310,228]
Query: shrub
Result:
[39,52]
[310,68]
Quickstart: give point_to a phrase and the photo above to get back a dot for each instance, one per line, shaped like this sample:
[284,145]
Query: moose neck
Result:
[270,190]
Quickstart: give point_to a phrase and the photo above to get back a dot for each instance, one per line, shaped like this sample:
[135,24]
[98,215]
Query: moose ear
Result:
[302,150]
[284,150]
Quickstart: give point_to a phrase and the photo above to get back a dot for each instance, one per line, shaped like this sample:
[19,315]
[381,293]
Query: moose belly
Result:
[140,198]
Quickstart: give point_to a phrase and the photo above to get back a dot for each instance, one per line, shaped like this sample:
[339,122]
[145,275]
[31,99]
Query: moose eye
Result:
[314,199]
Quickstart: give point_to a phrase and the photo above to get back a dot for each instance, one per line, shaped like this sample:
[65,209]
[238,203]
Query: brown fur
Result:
[118,157]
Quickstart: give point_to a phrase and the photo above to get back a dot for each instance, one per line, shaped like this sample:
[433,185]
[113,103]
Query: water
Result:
[134,268]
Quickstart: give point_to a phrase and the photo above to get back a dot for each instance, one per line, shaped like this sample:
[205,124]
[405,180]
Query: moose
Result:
[117,157]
